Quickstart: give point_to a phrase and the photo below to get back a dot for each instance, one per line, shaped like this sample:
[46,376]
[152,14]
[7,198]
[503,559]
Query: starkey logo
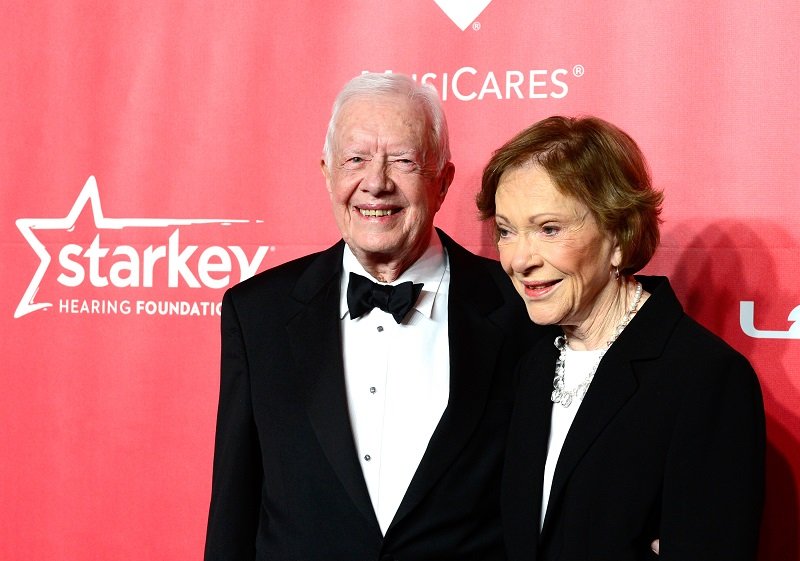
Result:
[102,265]
[462,12]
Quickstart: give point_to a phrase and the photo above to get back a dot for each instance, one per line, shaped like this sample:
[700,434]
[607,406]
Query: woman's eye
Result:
[550,230]
[502,232]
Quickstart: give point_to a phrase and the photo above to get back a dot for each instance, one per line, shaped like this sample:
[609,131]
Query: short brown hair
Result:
[596,163]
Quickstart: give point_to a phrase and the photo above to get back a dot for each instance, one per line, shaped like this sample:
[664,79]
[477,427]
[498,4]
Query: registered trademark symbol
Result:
[578,70]
[476,25]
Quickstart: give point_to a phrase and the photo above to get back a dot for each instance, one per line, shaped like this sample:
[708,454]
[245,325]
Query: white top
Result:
[397,378]
[577,365]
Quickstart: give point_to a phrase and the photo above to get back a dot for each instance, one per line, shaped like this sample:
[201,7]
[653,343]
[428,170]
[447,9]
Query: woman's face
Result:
[559,260]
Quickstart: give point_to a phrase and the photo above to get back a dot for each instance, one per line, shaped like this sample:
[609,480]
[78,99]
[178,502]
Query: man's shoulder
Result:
[482,282]
[464,264]
[281,279]
[461,254]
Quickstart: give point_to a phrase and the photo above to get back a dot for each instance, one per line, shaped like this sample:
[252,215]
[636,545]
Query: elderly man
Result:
[366,389]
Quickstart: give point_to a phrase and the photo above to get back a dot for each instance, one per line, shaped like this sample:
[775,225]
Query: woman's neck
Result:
[614,309]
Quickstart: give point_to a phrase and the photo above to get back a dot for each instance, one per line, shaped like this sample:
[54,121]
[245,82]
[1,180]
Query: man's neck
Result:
[386,269]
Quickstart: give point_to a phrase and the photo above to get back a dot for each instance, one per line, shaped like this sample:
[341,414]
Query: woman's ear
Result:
[616,255]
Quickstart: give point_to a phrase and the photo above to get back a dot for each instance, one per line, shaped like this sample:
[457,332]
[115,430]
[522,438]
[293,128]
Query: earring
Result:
[616,272]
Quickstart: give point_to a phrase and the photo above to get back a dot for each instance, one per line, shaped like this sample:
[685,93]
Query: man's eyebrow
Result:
[408,152]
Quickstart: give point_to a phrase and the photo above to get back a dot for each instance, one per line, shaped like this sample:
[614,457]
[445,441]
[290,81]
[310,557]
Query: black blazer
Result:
[287,483]
[668,443]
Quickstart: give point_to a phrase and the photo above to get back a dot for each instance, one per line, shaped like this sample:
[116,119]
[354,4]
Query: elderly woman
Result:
[634,428]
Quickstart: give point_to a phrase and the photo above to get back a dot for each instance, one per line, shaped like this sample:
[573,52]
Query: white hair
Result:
[375,85]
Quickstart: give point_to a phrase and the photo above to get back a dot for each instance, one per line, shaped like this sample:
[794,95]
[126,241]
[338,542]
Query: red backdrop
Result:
[154,152]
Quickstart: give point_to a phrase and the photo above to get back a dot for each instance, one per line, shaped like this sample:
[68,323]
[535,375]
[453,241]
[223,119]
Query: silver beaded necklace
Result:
[563,396]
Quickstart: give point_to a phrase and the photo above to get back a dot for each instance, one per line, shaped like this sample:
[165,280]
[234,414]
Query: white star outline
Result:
[88,195]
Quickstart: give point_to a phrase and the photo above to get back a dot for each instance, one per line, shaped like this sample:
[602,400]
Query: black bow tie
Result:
[363,295]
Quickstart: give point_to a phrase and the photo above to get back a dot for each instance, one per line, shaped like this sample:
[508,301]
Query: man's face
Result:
[382,180]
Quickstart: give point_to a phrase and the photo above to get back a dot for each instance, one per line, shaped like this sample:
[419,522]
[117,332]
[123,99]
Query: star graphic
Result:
[88,195]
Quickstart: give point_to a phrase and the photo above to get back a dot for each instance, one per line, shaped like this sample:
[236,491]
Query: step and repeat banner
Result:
[154,153]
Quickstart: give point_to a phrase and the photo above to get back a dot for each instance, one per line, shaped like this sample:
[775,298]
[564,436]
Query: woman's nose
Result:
[526,255]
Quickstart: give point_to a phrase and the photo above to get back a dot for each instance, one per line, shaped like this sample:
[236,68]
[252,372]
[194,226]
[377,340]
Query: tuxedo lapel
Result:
[474,341]
[315,338]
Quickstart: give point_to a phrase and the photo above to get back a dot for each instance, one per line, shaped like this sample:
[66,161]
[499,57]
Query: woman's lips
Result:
[539,289]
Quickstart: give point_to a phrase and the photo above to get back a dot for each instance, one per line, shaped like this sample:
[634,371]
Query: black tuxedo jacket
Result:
[668,443]
[287,484]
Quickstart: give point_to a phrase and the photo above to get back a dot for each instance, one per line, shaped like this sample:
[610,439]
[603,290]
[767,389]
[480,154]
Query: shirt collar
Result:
[430,269]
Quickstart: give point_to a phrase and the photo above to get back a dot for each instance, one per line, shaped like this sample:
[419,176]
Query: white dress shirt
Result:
[397,378]
[577,365]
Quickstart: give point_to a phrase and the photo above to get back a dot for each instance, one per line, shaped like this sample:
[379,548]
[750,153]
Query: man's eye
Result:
[353,162]
[404,163]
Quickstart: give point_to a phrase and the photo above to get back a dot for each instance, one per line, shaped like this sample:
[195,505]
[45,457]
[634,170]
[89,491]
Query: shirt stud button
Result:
[367,457]
[380,328]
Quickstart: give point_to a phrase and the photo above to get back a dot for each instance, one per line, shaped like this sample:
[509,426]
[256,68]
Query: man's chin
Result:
[388,242]
[378,251]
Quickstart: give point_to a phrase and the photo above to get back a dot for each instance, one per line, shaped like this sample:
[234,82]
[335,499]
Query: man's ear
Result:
[445,179]
[326,173]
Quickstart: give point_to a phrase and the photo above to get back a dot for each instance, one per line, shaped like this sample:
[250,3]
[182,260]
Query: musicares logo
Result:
[123,266]
[462,12]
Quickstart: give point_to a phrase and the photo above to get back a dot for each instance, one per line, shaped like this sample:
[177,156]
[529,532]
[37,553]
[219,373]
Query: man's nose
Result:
[377,178]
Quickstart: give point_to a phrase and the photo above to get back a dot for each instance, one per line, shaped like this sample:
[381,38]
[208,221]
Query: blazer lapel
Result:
[315,338]
[614,383]
[615,380]
[474,343]
[527,447]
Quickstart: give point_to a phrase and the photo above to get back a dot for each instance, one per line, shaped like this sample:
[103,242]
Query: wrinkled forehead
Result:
[384,118]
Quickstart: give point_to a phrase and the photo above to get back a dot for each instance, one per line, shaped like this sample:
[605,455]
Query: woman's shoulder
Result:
[707,353]
[684,338]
